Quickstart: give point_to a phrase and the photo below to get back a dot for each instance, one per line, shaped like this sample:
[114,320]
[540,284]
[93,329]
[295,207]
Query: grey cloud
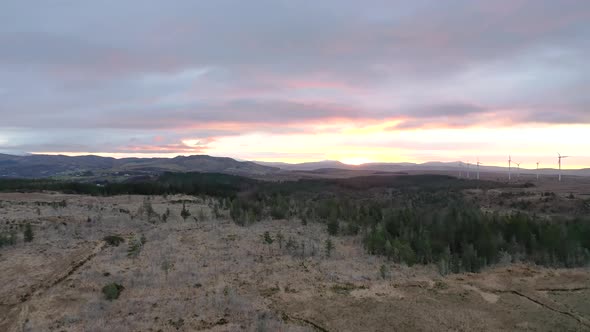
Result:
[287,37]
[104,140]
[449,110]
[445,114]
[558,115]
[152,65]
[246,112]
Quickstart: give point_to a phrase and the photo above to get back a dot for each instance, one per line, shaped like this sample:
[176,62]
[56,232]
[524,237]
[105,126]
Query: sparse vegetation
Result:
[199,276]
[177,324]
[345,288]
[423,219]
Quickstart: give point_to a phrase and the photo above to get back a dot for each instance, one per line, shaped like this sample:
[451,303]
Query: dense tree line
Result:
[210,184]
[225,185]
[461,238]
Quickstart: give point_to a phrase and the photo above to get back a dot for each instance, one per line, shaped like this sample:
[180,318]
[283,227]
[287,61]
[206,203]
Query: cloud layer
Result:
[111,76]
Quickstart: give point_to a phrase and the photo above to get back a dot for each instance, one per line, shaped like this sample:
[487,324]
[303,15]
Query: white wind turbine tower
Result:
[460,169]
[509,167]
[468,175]
[478,163]
[538,162]
[559,159]
[517,169]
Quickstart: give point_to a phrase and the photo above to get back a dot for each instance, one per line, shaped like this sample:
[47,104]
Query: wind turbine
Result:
[468,175]
[460,169]
[478,163]
[509,167]
[518,169]
[559,159]
[538,162]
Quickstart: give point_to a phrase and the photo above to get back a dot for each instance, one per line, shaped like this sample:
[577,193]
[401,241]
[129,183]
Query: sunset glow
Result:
[355,161]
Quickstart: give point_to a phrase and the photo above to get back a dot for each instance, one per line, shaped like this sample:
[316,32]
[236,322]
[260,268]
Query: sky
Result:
[296,81]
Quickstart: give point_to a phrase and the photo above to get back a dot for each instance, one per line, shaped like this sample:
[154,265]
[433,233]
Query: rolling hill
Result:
[38,166]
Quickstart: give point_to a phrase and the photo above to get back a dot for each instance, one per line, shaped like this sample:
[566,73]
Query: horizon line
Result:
[172,156]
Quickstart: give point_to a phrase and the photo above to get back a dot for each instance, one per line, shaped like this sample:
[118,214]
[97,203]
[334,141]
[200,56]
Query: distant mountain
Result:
[35,166]
[404,167]
[38,166]
[309,166]
[334,164]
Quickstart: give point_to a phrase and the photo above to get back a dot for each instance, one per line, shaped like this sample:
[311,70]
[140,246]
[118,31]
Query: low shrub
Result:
[113,240]
[112,291]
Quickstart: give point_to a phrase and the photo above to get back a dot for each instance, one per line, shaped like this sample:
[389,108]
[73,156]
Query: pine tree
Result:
[166,267]
[28,233]
[216,211]
[184,213]
[384,271]
[202,215]
[302,249]
[304,221]
[333,226]
[329,246]
[148,209]
[268,240]
[134,248]
[280,239]
[166,215]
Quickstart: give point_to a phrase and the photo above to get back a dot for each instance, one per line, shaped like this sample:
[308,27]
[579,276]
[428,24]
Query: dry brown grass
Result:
[214,275]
